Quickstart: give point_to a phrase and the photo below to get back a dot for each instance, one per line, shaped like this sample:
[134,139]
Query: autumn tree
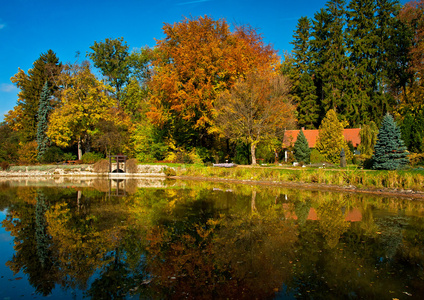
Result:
[412,14]
[255,109]
[198,59]
[331,141]
[24,116]
[84,100]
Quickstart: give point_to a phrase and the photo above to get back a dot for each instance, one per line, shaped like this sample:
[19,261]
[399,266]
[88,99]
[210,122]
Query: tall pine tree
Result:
[390,151]
[44,109]
[303,84]
[362,41]
[24,116]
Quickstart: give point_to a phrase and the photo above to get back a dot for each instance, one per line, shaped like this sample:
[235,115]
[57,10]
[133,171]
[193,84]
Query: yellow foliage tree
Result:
[84,100]
[331,141]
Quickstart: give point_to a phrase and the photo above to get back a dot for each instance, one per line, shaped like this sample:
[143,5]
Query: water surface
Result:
[136,239]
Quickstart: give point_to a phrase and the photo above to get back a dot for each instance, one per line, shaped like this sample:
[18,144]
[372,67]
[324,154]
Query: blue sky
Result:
[29,28]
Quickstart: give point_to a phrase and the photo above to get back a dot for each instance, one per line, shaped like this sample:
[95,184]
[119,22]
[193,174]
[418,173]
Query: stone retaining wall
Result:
[87,171]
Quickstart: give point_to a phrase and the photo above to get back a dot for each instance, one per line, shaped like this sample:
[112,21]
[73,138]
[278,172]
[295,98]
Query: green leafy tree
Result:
[331,141]
[368,135]
[44,109]
[390,151]
[302,152]
[111,57]
[412,130]
[84,101]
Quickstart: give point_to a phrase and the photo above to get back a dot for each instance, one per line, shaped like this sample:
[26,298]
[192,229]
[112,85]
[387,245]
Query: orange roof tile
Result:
[290,136]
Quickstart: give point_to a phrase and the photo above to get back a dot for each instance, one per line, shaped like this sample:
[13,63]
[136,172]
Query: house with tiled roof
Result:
[290,137]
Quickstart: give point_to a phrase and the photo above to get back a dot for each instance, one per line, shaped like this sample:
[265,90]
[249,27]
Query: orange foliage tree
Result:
[197,59]
[412,14]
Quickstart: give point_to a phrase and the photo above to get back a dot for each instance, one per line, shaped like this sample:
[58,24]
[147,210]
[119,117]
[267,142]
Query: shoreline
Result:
[149,172]
[406,194]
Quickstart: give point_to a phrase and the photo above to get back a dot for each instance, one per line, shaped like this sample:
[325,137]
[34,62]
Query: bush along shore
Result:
[410,181]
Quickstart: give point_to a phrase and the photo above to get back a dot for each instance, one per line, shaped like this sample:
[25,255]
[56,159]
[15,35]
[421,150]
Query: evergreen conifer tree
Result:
[46,67]
[44,109]
[304,90]
[331,141]
[390,151]
[302,152]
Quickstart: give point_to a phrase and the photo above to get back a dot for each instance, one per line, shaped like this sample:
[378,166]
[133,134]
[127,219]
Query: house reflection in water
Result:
[353,215]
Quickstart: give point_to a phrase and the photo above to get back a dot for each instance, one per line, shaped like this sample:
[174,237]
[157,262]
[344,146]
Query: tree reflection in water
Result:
[215,241]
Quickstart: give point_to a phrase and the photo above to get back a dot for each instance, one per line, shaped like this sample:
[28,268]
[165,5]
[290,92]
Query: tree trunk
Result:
[253,153]
[79,149]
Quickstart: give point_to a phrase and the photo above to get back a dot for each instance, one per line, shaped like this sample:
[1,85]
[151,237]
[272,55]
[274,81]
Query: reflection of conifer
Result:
[40,229]
[302,211]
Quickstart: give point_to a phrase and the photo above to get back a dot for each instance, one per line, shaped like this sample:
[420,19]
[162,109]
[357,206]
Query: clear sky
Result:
[31,27]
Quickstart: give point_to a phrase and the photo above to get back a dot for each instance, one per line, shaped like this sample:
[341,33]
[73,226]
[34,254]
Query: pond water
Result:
[157,239]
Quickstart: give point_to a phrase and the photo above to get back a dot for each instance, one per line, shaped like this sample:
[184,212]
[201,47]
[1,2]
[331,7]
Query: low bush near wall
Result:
[102,166]
[91,157]
[132,165]
[4,165]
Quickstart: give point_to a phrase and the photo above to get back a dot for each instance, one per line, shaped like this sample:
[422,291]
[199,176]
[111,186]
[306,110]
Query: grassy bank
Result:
[405,180]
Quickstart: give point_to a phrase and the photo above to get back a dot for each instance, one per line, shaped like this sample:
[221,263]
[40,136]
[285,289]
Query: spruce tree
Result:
[390,151]
[361,41]
[302,152]
[331,141]
[304,90]
[44,109]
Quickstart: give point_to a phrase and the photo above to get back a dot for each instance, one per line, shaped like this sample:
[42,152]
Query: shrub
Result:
[69,156]
[101,166]
[91,157]
[52,154]
[169,172]
[4,165]
[316,157]
[416,159]
[132,165]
